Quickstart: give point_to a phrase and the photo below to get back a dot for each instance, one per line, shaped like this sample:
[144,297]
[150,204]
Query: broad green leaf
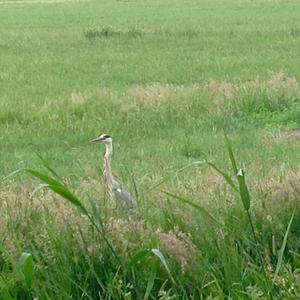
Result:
[197,206]
[244,192]
[161,257]
[65,193]
[26,265]
[45,178]
[60,189]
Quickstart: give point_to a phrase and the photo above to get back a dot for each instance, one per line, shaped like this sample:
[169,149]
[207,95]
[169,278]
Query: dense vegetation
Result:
[165,79]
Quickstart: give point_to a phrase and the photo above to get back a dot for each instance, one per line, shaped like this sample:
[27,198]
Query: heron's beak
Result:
[98,139]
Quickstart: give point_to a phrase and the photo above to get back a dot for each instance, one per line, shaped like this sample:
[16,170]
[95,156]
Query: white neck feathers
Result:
[107,168]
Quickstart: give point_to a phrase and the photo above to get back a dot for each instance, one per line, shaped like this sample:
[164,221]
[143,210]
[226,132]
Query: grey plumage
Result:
[115,189]
[123,195]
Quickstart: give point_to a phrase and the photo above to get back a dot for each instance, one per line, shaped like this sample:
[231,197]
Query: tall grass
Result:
[94,254]
[164,78]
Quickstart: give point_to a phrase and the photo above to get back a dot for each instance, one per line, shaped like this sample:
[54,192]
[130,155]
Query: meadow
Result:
[168,80]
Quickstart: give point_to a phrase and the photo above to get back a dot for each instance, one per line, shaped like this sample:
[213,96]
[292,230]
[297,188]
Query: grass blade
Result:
[135,187]
[197,206]
[243,189]
[26,265]
[60,189]
[174,175]
[150,282]
[281,252]
[45,178]
[226,176]
[161,257]
[65,193]
[9,175]
[47,166]
[38,188]
[231,156]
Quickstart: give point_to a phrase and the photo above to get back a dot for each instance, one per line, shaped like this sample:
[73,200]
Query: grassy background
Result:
[163,78]
[47,56]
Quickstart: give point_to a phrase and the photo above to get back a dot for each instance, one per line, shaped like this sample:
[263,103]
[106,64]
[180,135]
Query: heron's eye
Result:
[105,136]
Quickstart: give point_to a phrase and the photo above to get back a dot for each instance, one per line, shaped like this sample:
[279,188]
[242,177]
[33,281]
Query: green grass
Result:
[163,78]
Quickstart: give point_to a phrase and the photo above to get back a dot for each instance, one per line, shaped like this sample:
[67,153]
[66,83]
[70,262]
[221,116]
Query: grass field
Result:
[164,79]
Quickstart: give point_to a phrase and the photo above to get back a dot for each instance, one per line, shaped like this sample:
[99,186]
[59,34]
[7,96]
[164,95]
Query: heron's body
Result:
[115,189]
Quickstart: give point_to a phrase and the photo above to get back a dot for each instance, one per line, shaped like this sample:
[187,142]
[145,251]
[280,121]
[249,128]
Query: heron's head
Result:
[102,138]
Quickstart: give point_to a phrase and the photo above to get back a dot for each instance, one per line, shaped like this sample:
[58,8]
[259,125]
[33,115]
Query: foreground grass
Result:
[165,249]
[164,79]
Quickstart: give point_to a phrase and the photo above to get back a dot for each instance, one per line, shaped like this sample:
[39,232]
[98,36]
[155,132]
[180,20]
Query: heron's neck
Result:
[108,150]
[107,166]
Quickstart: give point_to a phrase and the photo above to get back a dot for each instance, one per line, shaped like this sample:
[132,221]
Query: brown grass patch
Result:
[178,245]
[276,85]
[221,90]
[284,187]
[156,92]
[24,216]
[275,93]
[294,134]
[218,96]
[78,98]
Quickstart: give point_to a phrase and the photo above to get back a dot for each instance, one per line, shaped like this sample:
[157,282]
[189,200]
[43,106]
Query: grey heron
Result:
[113,186]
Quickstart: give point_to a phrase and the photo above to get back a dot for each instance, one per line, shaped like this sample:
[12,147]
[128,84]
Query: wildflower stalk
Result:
[244,195]
[257,246]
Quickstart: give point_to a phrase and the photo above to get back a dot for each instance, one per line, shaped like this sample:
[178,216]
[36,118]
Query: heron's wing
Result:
[122,194]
